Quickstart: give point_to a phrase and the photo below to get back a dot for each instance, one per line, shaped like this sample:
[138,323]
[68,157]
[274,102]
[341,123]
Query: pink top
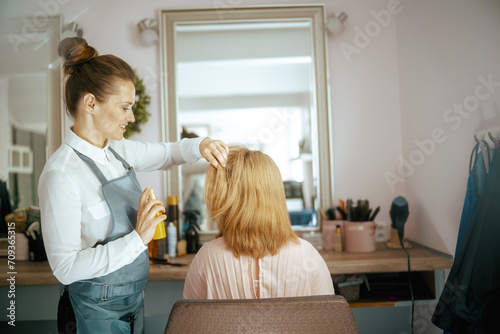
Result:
[297,270]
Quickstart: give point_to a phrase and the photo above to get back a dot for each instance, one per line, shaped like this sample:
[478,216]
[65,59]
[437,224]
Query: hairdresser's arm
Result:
[215,151]
[153,156]
[70,252]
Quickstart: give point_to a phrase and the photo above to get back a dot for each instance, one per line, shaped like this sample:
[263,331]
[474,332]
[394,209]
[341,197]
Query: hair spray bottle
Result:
[160,228]
[157,247]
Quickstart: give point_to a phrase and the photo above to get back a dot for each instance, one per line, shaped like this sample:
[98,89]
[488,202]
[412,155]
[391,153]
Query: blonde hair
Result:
[247,200]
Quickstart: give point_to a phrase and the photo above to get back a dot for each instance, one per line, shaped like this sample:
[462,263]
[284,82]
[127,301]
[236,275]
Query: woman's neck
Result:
[89,134]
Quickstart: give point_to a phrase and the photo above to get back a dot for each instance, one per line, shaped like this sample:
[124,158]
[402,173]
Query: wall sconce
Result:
[335,23]
[148,28]
[71,29]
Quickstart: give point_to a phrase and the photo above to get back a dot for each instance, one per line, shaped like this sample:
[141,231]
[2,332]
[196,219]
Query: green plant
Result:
[142,100]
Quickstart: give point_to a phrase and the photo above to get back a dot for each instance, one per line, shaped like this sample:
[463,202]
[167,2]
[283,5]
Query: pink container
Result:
[359,236]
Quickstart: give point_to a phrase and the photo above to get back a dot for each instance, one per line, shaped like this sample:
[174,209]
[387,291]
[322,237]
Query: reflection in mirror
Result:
[30,87]
[251,78]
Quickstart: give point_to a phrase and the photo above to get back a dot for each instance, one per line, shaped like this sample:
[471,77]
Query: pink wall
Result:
[444,47]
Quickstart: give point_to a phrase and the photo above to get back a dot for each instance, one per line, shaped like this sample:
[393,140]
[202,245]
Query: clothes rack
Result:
[491,136]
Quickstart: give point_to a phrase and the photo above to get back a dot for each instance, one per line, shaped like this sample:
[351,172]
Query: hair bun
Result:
[75,51]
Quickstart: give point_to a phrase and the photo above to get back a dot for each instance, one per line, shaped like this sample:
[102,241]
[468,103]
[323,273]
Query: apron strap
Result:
[107,291]
[96,170]
[125,164]
[92,166]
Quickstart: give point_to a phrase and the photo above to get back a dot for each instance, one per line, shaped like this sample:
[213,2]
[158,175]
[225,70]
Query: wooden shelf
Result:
[382,260]
[371,303]
[39,273]
[386,260]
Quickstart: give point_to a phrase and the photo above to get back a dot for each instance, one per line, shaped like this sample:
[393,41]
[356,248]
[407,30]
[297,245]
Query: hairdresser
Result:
[96,219]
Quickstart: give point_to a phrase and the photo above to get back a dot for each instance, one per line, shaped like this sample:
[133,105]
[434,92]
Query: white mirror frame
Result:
[169,19]
[56,116]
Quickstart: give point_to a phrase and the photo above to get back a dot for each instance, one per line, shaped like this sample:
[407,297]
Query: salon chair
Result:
[315,314]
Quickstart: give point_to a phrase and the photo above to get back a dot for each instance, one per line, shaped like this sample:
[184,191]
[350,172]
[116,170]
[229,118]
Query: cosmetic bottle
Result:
[337,239]
[172,240]
[173,214]
[192,236]
[157,248]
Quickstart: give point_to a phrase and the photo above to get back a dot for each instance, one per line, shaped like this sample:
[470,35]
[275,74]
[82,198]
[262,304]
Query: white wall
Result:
[366,120]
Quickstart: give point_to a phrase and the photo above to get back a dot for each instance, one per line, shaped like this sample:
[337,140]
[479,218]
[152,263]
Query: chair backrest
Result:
[315,314]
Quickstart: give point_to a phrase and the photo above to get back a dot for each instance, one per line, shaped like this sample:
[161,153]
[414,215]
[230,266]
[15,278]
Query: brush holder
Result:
[360,236]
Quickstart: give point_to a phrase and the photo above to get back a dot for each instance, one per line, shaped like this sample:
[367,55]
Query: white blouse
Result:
[297,270]
[74,214]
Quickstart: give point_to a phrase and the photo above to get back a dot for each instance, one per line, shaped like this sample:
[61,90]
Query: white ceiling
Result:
[244,77]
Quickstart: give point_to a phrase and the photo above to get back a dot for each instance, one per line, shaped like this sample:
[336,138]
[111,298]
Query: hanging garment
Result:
[475,187]
[114,303]
[5,206]
[470,300]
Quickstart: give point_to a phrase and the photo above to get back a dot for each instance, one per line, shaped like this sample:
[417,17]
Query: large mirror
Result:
[30,91]
[253,76]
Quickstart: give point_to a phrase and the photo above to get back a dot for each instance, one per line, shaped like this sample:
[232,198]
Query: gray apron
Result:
[114,303]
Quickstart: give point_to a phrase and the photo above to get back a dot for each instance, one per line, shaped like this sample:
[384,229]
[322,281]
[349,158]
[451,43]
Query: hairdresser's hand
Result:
[215,151]
[146,221]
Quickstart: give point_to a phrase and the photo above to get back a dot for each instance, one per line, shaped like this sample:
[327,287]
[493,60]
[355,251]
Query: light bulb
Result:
[335,23]
[149,36]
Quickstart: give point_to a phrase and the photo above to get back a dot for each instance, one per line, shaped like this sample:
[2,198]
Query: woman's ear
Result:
[89,103]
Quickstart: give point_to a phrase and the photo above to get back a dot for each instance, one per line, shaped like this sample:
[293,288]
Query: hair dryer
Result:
[399,213]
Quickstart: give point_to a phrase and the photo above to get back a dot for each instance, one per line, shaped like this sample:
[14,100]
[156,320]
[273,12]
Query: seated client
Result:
[256,254]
